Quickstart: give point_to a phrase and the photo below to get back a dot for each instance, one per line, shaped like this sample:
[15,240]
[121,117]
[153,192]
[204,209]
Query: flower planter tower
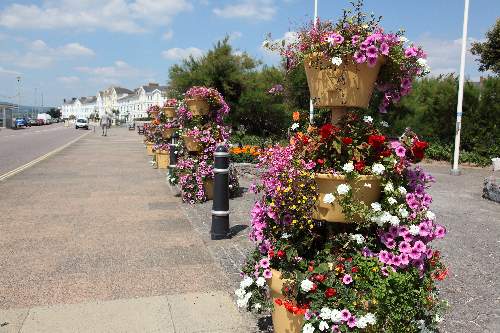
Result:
[337,276]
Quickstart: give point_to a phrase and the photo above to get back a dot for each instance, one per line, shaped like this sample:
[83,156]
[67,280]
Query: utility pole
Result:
[18,95]
[456,154]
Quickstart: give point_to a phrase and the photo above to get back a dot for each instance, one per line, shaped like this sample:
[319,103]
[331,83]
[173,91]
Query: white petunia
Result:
[402,190]
[422,62]
[414,230]
[361,322]
[384,123]
[247,282]
[343,189]
[348,167]
[385,217]
[370,318]
[328,198]
[306,285]
[336,316]
[325,313]
[392,201]
[430,215]
[378,169]
[368,119]
[308,328]
[260,281]
[358,238]
[336,61]
[394,220]
[376,207]
[257,306]
[295,126]
[240,293]
[403,39]
[388,187]
[403,213]
[323,325]
[285,235]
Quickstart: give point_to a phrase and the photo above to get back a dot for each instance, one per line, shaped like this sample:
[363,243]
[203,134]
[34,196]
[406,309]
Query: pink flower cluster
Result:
[219,107]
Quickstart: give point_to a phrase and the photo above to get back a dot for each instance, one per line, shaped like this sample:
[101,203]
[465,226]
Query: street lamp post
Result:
[18,95]
[455,170]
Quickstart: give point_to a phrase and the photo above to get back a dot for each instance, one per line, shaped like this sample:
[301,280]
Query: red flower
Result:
[376,140]
[314,287]
[355,269]
[385,153]
[327,130]
[281,253]
[278,301]
[347,140]
[418,149]
[359,166]
[310,268]
[330,292]
[320,278]
[270,253]
[320,161]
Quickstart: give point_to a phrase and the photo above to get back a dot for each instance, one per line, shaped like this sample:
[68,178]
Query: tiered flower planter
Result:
[283,320]
[162,159]
[149,148]
[192,145]
[198,106]
[168,132]
[169,111]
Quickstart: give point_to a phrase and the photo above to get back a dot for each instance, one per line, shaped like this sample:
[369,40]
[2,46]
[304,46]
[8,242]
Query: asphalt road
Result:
[18,147]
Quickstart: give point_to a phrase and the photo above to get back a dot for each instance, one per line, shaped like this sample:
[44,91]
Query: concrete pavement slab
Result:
[12,320]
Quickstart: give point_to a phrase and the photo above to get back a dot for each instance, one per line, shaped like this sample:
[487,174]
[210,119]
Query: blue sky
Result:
[67,48]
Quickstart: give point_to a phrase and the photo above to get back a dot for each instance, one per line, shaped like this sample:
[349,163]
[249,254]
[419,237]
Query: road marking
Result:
[39,159]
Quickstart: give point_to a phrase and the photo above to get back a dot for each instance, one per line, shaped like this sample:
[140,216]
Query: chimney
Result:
[64,100]
[73,99]
[153,84]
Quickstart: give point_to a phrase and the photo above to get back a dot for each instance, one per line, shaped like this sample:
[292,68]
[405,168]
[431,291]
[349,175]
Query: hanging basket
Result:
[162,159]
[347,85]
[283,320]
[208,187]
[169,111]
[198,106]
[364,188]
[191,144]
[168,132]
[149,148]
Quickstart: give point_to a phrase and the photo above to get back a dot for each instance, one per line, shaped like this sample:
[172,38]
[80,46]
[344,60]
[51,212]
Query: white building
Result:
[124,103]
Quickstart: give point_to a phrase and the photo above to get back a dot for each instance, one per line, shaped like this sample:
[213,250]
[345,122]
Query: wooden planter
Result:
[347,85]
[283,320]
[168,132]
[169,111]
[162,159]
[198,106]
[364,188]
[149,148]
[191,144]
[208,187]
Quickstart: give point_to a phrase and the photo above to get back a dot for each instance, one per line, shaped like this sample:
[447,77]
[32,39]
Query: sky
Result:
[72,48]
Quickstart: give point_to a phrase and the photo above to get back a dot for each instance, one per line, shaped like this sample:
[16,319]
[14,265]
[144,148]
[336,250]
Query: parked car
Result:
[20,122]
[82,123]
[39,122]
[32,122]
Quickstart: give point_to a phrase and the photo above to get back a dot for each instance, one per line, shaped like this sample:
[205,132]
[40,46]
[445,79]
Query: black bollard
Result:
[220,205]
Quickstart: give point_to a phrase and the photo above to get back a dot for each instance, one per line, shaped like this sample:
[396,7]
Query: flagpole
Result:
[456,171]
[311,105]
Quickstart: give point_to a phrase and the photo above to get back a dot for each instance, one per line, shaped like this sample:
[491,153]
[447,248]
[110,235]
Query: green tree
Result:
[54,113]
[489,51]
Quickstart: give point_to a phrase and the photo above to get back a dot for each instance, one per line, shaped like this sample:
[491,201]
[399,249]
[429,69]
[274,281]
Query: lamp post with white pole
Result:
[455,170]
[311,105]
[18,95]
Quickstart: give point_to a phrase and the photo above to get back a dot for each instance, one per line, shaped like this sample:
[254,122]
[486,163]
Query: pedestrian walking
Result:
[105,123]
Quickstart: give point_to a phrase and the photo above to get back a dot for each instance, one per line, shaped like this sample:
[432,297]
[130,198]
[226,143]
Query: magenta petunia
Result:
[372,51]
[347,279]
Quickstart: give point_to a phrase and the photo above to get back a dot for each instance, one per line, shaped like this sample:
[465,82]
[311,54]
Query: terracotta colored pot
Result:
[162,159]
[347,85]
[191,144]
[168,132]
[198,106]
[169,111]
[283,320]
[327,183]
[149,148]
[208,187]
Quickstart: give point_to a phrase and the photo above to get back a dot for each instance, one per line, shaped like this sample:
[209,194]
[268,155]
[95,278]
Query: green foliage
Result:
[54,113]
[489,51]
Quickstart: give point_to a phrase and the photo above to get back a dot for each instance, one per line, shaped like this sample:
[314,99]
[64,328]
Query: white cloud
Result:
[112,15]
[177,53]
[34,60]
[120,69]
[68,79]
[248,9]
[8,71]
[75,49]
[168,35]
[443,56]
[235,35]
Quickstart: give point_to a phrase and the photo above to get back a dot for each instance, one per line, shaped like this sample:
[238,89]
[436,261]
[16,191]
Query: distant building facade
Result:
[124,103]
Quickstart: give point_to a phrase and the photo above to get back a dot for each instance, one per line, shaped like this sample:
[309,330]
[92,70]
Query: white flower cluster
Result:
[329,198]
[368,119]
[378,169]
[384,217]
[243,296]
[336,61]
[295,126]
[343,189]
[334,317]
[306,285]
[358,238]
[348,167]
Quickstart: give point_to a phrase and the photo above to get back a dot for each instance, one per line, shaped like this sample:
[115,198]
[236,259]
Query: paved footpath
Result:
[92,240]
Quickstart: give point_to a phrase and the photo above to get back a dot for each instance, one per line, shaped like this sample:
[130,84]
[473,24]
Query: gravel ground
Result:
[471,248]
